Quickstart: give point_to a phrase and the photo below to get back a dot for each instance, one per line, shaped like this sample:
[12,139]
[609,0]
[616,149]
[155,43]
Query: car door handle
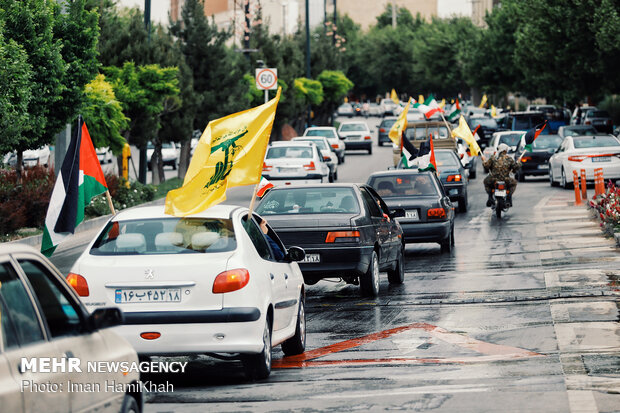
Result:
[271,276]
[285,276]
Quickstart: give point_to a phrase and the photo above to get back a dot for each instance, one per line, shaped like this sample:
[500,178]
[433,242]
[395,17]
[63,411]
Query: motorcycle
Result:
[501,198]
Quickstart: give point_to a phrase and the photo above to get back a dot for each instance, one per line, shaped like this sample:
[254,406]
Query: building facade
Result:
[365,12]
[479,8]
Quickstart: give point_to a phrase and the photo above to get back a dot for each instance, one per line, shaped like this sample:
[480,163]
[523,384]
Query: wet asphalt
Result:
[521,316]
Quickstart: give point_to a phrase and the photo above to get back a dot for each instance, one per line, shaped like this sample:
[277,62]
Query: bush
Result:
[24,204]
[607,207]
[122,196]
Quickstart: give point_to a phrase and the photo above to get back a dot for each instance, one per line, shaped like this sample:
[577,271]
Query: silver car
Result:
[328,155]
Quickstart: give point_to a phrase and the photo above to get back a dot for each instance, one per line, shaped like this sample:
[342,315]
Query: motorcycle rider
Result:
[500,167]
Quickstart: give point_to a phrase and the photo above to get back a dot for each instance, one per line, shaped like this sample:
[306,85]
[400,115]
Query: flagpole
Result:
[447,126]
[110,204]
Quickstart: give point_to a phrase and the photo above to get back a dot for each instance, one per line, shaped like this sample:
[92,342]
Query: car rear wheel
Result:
[448,243]
[397,275]
[258,366]
[520,177]
[463,204]
[331,177]
[551,180]
[336,176]
[369,282]
[370,150]
[380,143]
[130,405]
[563,181]
[297,343]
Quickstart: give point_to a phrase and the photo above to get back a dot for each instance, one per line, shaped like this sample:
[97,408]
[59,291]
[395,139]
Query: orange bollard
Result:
[584,186]
[576,185]
[597,186]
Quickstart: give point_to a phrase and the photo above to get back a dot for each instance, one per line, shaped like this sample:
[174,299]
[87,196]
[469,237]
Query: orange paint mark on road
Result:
[492,352]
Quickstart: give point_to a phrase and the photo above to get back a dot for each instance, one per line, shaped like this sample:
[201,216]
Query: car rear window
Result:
[486,122]
[598,114]
[387,123]
[421,134]
[318,142]
[280,152]
[165,236]
[446,159]
[327,200]
[587,131]
[595,142]
[510,139]
[399,185]
[547,142]
[328,133]
[353,127]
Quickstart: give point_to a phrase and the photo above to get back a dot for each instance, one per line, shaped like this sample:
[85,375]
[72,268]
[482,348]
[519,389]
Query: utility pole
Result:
[308,72]
[63,137]
[393,14]
[335,25]
[143,158]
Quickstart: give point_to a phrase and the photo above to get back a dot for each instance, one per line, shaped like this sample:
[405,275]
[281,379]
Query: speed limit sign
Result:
[267,78]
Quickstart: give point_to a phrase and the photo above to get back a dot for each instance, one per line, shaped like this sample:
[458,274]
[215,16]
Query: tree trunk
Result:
[184,159]
[19,163]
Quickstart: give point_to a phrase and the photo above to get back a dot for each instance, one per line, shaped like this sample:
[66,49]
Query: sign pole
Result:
[266,95]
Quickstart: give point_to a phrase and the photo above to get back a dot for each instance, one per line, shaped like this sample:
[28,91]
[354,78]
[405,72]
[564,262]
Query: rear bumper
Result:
[425,232]
[361,144]
[336,261]
[454,191]
[533,169]
[384,137]
[230,330]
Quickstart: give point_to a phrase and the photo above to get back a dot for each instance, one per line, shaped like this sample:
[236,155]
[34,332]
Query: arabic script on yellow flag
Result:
[230,152]
[400,125]
[463,132]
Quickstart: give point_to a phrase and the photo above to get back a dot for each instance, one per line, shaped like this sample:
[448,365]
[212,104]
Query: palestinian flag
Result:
[429,107]
[428,162]
[532,134]
[456,112]
[79,180]
[408,152]
[263,186]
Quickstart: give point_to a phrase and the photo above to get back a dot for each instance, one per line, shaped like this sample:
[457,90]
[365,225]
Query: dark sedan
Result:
[346,230]
[488,126]
[452,176]
[536,161]
[424,211]
[600,119]
[384,130]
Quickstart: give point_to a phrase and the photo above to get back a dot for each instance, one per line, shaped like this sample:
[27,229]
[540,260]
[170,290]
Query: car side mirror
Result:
[397,213]
[296,254]
[104,318]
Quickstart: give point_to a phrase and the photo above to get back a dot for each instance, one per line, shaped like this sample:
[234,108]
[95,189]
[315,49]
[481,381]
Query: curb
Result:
[84,226]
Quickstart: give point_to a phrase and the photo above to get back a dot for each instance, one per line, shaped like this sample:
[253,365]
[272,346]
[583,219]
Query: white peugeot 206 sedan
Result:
[210,283]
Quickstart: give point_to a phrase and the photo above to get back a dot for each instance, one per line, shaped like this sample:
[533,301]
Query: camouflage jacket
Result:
[501,167]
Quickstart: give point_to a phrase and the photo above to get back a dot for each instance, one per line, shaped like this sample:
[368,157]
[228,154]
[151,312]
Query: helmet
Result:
[502,148]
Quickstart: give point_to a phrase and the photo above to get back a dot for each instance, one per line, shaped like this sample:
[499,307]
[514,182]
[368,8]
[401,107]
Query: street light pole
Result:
[143,158]
[308,72]
[393,14]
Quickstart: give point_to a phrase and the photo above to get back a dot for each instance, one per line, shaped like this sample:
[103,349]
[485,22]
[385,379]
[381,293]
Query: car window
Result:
[8,333]
[521,123]
[281,152]
[353,127]
[547,142]
[309,201]
[486,122]
[318,142]
[391,186]
[510,139]
[371,204]
[258,239]
[387,123]
[19,306]
[59,310]
[328,133]
[165,236]
[595,142]
[446,159]
[598,114]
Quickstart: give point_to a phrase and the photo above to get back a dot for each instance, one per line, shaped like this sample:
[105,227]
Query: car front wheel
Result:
[130,405]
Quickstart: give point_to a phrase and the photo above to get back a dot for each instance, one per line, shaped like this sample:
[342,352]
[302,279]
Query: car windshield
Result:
[547,142]
[328,200]
[320,143]
[280,152]
[346,106]
[353,127]
[526,122]
[595,142]
[328,133]
[586,130]
[598,114]
[387,123]
[445,158]
[511,139]
[390,186]
[485,122]
[165,236]
[167,145]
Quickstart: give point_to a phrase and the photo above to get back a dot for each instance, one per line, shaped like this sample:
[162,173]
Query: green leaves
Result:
[308,91]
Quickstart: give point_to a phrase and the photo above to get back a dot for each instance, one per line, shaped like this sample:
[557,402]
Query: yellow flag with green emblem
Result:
[394,97]
[230,153]
[463,132]
[400,125]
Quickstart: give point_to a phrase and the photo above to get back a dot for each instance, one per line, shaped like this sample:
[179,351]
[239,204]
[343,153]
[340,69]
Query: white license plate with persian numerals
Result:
[601,159]
[412,214]
[147,295]
[311,258]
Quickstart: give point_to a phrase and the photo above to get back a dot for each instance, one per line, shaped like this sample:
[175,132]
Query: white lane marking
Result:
[417,390]
[581,401]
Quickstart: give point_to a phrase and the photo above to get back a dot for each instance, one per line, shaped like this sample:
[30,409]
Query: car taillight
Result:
[310,166]
[436,213]
[588,122]
[367,137]
[327,158]
[79,284]
[454,178]
[461,155]
[267,168]
[526,158]
[577,158]
[342,236]
[150,335]
[382,130]
[231,280]
[334,146]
